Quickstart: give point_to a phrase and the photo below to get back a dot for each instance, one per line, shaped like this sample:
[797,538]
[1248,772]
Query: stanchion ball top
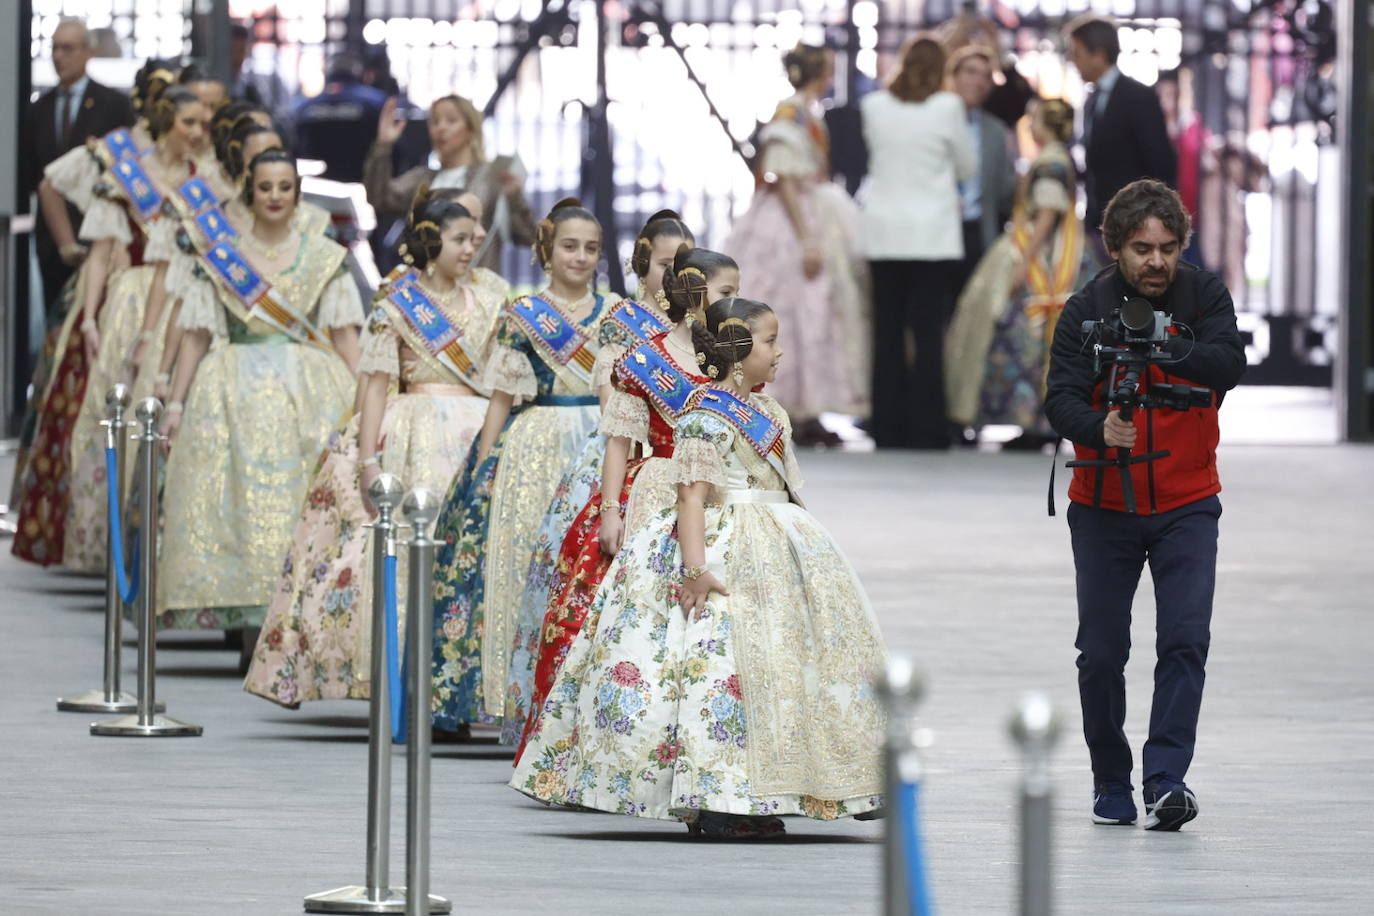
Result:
[1035,720]
[386,490]
[148,410]
[420,508]
[118,396]
[901,680]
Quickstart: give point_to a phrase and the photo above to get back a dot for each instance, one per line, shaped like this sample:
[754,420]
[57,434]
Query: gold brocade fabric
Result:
[120,320]
[317,638]
[256,420]
[540,444]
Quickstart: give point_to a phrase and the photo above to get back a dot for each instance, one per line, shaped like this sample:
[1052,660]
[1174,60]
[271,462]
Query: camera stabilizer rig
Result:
[1131,341]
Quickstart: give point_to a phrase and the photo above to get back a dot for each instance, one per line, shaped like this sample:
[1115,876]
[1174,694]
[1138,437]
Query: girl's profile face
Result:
[661,253]
[761,365]
[460,247]
[722,284]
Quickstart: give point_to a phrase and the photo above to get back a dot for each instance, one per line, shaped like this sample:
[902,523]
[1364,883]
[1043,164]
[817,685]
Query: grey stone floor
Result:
[969,577]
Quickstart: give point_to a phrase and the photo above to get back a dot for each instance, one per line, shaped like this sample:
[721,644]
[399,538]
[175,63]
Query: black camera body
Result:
[1133,339]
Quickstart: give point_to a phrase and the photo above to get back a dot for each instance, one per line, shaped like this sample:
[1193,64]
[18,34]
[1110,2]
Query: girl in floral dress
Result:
[628,324]
[284,313]
[544,352]
[123,183]
[724,677]
[316,643]
[653,382]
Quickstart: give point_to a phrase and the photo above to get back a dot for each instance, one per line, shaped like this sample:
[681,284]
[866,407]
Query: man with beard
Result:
[1145,228]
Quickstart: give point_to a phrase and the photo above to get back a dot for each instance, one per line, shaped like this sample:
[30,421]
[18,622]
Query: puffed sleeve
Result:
[626,414]
[200,307]
[381,347]
[73,175]
[340,305]
[786,148]
[613,341]
[508,367]
[701,442]
[105,219]
[1049,194]
[162,241]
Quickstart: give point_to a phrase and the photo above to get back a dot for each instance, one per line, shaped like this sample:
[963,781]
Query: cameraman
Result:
[1144,228]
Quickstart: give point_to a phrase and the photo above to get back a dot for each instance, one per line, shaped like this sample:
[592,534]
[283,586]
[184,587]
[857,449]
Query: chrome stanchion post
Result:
[905,889]
[146,723]
[110,698]
[376,896]
[420,509]
[1035,726]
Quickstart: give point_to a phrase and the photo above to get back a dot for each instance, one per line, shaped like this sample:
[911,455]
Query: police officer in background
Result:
[1145,228]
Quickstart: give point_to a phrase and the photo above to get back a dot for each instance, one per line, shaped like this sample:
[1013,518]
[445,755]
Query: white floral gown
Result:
[763,706]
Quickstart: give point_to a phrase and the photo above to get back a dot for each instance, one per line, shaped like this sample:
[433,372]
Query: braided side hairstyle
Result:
[544,233]
[663,223]
[685,282]
[161,110]
[232,159]
[226,119]
[264,158]
[153,77]
[430,214]
[725,337]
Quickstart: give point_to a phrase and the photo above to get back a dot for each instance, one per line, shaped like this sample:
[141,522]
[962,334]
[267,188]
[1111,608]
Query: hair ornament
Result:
[161,74]
[712,372]
[427,223]
[701,359]
[734,322]
[691,271]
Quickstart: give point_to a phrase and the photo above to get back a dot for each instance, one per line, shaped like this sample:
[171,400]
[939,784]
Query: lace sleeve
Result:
[510,371]
[701,442]
[162,241]
[381,347]
[786,149]
[340,304]
[1049,194]
[181,272]
[105,219]
[73,175]
[626,414]
[201,309]
[604,367]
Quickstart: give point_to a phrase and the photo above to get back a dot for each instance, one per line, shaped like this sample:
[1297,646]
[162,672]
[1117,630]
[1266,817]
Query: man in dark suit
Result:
[61,119]
[1124,136]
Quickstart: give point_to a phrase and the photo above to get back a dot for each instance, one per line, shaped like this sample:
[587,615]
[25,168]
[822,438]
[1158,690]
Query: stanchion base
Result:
[162,727]
[355,899]
[94,701]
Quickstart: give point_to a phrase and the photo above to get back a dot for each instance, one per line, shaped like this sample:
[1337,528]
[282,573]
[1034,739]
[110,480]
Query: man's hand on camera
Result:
[1117,432]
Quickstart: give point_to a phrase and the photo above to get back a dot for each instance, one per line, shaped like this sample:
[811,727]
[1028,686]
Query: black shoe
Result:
[1169,804]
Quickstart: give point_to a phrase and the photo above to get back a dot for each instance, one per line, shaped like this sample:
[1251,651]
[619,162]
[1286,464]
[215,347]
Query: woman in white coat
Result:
[919,149]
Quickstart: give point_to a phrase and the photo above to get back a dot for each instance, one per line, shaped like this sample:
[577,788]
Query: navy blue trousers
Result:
[1109,551]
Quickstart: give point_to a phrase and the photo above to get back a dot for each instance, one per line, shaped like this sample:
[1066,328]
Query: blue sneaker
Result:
[1169,804]
[1113,804]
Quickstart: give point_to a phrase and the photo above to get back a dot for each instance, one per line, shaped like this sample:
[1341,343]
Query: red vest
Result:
[1188,473]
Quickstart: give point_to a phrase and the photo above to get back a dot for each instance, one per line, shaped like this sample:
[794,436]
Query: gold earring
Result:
[738,375]
[429,269]
[661,298]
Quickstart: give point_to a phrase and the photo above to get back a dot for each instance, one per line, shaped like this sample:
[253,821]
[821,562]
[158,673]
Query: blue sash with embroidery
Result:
[761,431]
[441,338]
[119,143]
[559,339]
[214,226]
[641,323]
[195,195]
[253,294]
[143,195]
[665,384]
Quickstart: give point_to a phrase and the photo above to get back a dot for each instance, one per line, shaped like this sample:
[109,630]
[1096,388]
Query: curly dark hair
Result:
[722,347]
[1134,205]
[684,282]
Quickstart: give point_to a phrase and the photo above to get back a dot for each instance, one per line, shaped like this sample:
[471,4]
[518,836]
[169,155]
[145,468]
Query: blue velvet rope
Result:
[918,889]
[393,654]
[128,590]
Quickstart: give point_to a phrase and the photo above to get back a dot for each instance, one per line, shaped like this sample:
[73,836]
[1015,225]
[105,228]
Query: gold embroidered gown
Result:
[256,420]
[763,706]
[317,641]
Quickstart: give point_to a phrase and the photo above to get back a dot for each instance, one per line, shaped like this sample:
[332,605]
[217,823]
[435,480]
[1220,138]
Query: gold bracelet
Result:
[693,572]
[608,508]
